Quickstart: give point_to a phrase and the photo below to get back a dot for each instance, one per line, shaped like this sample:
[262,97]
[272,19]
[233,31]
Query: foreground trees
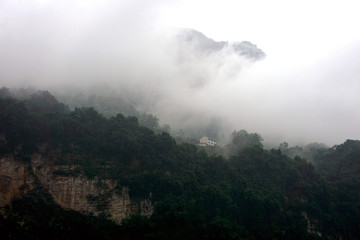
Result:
[253,194]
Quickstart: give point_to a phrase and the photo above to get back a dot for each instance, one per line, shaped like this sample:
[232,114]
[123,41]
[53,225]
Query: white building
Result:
[206,141]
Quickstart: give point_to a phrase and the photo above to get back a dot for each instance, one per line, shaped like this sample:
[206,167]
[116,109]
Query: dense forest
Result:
[248,193]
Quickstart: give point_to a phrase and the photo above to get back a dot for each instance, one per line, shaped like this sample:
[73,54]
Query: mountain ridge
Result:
[207,45]
[111,168]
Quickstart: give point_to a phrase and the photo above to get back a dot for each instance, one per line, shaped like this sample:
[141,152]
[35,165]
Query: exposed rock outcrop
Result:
[94,196]
[313,225]
[15,179]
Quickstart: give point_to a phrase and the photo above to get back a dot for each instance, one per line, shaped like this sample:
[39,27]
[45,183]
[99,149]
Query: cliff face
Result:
[15,179]
[95,196]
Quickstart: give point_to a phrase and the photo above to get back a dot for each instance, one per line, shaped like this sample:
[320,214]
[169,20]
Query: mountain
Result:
[207,45]
[66,174]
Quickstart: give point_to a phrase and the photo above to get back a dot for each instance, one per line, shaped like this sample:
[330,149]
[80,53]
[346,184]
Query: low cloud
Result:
[121,47]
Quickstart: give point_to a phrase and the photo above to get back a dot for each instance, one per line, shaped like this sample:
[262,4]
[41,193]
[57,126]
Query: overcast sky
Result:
[314,27]
[307,89]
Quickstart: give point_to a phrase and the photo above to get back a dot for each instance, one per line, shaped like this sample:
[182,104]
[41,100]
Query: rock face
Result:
[14,179]
[312,225]
[94,196]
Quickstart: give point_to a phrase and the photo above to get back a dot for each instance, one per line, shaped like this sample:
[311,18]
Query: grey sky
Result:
[307,89]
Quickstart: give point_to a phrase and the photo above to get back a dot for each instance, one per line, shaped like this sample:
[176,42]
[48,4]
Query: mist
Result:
[124,49]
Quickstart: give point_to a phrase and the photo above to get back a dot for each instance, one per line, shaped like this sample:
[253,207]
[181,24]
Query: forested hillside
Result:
[252,194]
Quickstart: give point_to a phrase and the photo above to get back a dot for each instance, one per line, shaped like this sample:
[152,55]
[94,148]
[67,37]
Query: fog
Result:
[123,47]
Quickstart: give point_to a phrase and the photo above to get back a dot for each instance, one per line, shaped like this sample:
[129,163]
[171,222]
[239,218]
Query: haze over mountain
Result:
[296,94]
[67,174]
[84,83]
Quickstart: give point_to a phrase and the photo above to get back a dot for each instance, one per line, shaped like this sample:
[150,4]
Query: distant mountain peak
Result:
[208,45]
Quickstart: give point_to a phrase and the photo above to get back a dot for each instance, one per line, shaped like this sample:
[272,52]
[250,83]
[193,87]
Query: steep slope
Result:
[340,168]
[96,196]
[70,162]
